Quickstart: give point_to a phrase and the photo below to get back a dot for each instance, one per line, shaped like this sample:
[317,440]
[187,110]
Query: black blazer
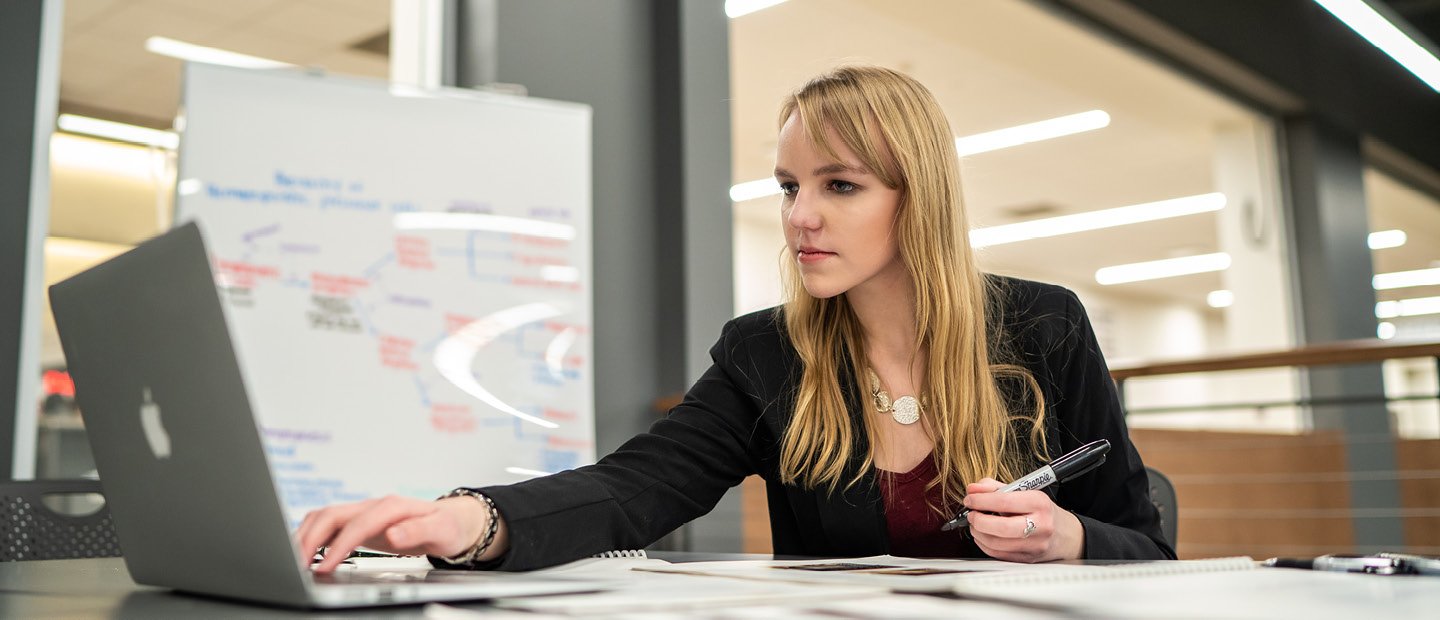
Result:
[729,424]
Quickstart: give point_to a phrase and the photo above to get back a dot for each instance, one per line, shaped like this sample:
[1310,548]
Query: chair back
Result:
[31,530]
[1162,494]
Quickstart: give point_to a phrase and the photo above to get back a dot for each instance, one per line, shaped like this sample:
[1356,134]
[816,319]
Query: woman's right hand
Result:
[401,525]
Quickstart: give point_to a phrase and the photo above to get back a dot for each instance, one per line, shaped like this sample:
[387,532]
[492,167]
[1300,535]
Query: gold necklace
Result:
[906,409]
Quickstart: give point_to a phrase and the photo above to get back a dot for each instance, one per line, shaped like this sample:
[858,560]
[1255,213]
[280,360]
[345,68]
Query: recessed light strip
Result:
[1407,307]
[1368,23]
[736,8]
[969,145]
[209,55]
[1406,279]
[1220,299]
[112,130]
[1167,268]
[1382,239]
[1095,220]
[1032,132]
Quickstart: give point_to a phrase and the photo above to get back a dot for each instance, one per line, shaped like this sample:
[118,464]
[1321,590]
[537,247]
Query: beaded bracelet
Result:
[469,557]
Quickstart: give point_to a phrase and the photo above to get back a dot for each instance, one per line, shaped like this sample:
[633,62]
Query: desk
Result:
[101,588]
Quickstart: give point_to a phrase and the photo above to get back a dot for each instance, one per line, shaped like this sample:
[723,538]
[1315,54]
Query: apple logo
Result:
[155,434]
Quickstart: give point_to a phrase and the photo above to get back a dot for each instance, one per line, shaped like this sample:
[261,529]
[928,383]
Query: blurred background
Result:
[1214,182]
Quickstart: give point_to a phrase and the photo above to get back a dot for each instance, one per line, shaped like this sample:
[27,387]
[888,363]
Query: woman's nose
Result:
[803,213]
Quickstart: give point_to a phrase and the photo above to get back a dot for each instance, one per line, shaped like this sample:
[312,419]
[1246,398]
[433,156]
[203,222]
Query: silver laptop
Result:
[179,451]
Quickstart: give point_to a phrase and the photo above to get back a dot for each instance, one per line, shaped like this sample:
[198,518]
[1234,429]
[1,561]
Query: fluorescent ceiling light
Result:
[1220,299]
[1032,132]
[209,55]
[1368,23]
[1385,330]
[750,190]
[736,8]
[968,145]
[1382,239]
[483,221]
[1095,220]
[117,131]
[1408,307]
[1406,279]
[1167,268]
[107,157]
[187,187]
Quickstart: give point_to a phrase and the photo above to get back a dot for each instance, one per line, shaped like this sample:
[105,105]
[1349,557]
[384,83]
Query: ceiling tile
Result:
[348,62]
[328,24]
[233,13]
[79,13]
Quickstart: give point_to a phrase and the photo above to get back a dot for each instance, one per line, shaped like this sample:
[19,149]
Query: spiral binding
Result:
[622,553]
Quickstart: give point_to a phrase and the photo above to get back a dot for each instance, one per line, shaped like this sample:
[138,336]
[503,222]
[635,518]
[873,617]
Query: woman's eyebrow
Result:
[824,170]
[839,167]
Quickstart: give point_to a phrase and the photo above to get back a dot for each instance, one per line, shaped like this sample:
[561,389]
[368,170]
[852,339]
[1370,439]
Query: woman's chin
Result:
[820,291]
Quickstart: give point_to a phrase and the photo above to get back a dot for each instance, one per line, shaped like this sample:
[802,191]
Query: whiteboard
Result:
[405,273]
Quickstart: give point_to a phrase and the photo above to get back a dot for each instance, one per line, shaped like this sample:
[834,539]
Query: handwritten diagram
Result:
[404,327]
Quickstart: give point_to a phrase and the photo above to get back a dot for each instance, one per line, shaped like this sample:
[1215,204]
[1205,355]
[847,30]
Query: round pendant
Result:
[906,410]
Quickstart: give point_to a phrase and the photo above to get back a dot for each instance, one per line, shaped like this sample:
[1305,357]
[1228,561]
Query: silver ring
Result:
[1029,528]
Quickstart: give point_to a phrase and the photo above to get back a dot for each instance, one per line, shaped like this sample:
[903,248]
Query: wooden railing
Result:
[1269,494]
[1342,352]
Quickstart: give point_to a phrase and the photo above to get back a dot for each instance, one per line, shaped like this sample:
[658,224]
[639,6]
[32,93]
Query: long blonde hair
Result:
[876,111]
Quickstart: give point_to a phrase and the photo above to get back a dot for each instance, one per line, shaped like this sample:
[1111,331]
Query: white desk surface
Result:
[101,588]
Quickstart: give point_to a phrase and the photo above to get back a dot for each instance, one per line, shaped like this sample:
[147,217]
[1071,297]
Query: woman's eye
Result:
[842,187]
[789,189]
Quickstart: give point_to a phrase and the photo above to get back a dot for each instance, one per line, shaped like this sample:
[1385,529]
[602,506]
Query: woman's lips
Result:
[812,256]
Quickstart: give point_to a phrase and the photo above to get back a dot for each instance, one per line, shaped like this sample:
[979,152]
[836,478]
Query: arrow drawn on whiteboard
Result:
[454,355]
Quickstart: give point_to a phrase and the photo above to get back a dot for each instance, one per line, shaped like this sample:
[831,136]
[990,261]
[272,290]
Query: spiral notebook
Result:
[1024,581]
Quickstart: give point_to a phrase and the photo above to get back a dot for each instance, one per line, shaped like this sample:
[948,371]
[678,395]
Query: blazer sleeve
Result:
[655,482]
[1112,502]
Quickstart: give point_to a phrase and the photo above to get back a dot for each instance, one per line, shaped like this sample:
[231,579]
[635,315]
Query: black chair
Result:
[32,530]
[1162,494]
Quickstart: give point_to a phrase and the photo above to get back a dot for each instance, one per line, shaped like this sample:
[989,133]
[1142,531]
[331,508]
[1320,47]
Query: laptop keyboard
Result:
[354,577]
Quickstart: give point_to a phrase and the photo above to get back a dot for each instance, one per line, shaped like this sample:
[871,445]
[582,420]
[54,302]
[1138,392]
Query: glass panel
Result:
[112,190]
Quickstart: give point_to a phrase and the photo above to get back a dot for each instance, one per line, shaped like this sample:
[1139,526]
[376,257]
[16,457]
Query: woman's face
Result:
[838,216]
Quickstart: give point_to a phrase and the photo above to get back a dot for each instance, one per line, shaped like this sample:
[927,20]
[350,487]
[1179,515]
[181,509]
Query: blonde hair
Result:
[898,131]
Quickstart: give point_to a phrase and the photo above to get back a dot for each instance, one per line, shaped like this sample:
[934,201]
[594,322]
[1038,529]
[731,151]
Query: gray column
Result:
[656,73]
[1337,302]
[30,58]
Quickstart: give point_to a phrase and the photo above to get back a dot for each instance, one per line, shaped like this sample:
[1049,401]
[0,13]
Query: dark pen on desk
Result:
[1068,467]
[1378,564]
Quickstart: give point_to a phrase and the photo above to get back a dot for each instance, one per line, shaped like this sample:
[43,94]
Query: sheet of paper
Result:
[1259,593]
[891,572]
[672,592]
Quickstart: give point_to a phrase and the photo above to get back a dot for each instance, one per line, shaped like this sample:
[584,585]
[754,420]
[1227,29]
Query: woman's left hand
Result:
[1022,526]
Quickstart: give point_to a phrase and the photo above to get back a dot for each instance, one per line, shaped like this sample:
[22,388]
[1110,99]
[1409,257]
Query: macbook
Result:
[179,449]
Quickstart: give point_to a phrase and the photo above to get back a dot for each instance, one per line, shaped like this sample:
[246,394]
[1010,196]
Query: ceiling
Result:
[106,71]
[1421,15]
[997,64]
[992,64]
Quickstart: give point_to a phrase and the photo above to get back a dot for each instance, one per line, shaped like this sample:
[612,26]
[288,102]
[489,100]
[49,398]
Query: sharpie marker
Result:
[1063,469]
[1379,564]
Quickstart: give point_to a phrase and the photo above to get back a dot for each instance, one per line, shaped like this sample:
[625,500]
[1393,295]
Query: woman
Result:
[892,389]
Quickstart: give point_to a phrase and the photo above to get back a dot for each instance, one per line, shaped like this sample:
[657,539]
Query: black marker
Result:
[1063,469]
[1378,564]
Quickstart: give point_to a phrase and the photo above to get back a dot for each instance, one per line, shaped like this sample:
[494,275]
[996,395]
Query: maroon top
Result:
[914,527]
